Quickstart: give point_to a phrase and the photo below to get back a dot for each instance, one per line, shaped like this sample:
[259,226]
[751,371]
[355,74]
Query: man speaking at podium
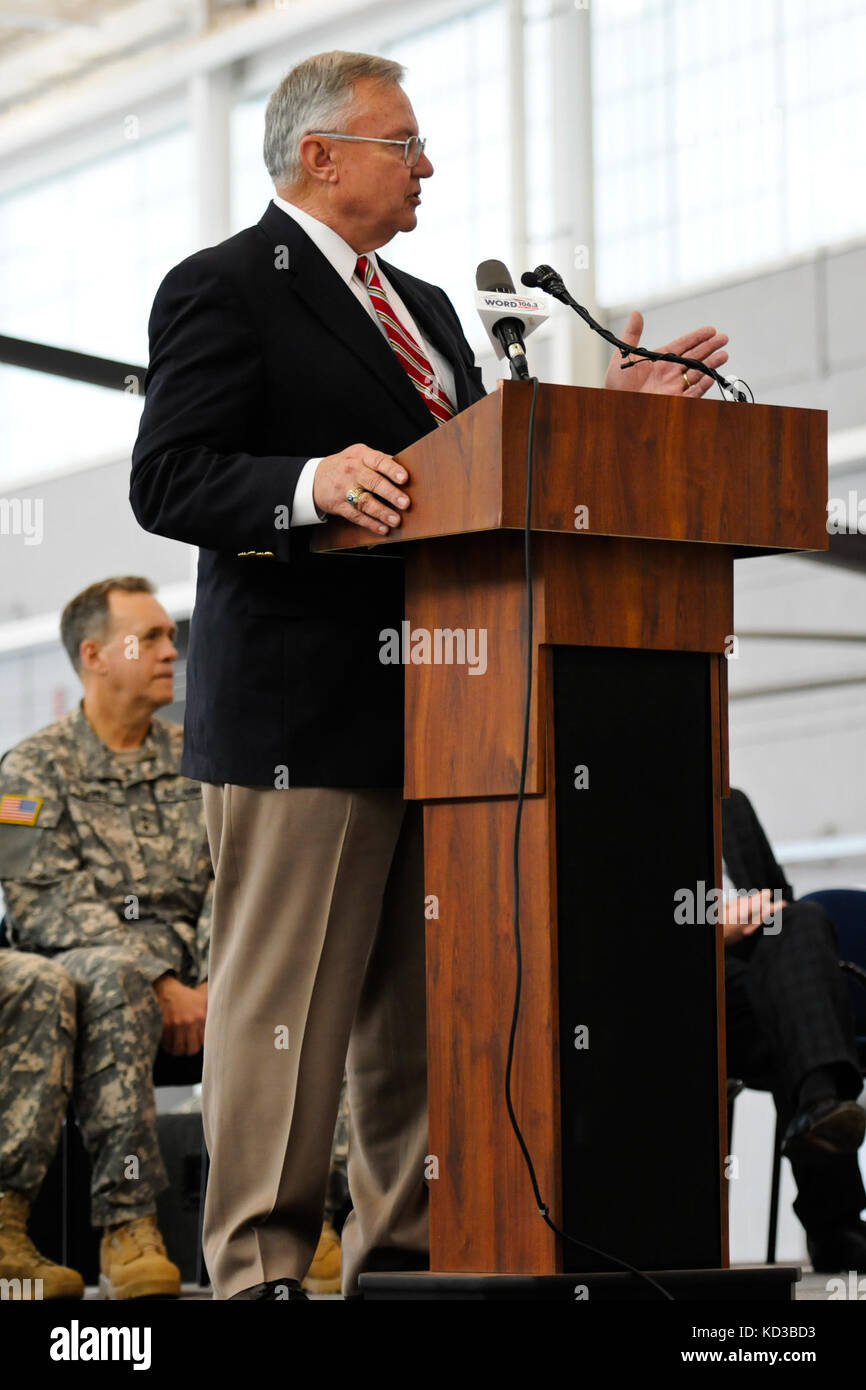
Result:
[288,365]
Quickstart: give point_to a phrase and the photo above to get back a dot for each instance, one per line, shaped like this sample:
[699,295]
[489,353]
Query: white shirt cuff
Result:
[304,510]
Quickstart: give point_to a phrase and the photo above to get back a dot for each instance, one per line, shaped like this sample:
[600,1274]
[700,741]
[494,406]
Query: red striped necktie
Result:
[409,354]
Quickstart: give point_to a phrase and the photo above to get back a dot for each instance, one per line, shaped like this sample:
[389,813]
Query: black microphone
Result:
[492,277]
[544,277]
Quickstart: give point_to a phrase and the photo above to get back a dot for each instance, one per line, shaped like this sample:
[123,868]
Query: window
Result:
[724,136]
[83,254]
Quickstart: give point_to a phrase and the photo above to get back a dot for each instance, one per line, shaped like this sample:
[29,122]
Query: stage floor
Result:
[811,1288]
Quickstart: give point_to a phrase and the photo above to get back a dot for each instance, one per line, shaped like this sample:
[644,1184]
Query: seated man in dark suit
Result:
[790,1030]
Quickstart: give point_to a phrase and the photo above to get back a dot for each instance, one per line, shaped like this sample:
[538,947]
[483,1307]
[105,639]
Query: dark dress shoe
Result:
[833,1252]
[829,1126]
[275,1291]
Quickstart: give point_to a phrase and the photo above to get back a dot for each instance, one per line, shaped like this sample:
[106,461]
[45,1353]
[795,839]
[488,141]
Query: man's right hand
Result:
[371,470]
[742,916]
[183,1016]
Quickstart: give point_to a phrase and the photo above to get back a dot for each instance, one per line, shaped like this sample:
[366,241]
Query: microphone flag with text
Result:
[508,317]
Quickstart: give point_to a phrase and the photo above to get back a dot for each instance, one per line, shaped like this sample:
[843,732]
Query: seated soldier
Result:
[790,1030]
[107,878]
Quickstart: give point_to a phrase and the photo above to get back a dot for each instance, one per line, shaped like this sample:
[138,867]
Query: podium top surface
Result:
[611,463]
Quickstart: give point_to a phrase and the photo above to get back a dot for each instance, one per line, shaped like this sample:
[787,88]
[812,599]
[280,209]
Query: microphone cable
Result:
[546,278]
[543,1209]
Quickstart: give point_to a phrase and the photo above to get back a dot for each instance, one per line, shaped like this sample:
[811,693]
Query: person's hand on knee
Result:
[183,1012]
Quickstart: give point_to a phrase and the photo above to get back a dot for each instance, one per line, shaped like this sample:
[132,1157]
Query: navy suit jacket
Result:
[261,358]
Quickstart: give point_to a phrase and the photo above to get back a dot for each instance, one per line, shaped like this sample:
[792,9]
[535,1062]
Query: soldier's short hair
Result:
[316,95]
[87,615]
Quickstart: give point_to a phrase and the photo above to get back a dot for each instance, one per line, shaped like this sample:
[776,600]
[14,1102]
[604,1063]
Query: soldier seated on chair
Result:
[790,1030]
[107,878]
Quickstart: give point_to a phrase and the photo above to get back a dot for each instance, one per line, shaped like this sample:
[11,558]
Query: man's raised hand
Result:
[666,378]
[368,469]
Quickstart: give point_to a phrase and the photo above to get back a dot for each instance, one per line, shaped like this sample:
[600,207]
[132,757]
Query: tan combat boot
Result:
[323,1276]
[24,1272]
[133,1262]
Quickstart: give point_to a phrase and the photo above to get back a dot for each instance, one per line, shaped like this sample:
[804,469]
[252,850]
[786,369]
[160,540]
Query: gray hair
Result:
[315,95]
[87,615]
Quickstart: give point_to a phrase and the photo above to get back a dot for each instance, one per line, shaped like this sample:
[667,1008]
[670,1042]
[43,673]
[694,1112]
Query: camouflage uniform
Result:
[37,1028]
[114,883]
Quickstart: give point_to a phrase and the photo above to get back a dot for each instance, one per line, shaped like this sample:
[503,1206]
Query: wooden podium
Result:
[640,504]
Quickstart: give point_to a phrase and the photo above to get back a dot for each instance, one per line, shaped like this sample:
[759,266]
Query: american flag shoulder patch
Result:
[20,810]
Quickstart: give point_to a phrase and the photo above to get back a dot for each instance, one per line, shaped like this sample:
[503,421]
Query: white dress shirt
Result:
[340,255]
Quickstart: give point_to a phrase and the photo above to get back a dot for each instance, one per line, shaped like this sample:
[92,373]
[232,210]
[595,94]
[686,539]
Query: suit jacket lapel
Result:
[433,324]
[315,281]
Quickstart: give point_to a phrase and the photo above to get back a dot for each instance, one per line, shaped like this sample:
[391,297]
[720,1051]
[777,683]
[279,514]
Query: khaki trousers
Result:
[316,962]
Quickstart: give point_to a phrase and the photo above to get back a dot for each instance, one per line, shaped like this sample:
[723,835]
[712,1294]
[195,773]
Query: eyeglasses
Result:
[413,148]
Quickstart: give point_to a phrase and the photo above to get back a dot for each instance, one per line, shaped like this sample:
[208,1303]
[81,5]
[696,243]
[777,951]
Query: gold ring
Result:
[686,380]
[354,494]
